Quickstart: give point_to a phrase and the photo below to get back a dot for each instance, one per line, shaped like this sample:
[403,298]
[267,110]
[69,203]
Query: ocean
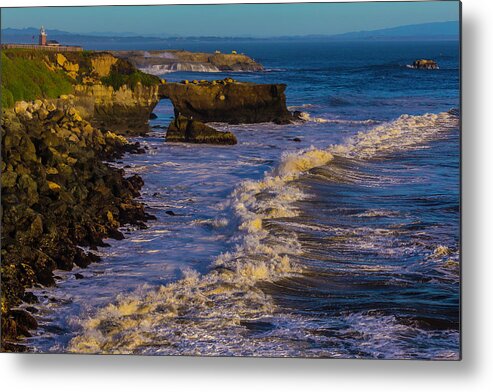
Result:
[337,237]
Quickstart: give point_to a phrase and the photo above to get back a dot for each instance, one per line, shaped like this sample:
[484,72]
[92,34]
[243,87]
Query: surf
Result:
[206,313]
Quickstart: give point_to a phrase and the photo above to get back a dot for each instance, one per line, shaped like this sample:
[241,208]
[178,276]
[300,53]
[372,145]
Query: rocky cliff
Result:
[228,101]
[57,195]
[109,92]
[124,110]
[158,62]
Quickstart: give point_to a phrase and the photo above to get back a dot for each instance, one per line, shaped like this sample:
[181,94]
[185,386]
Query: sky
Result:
[255,20]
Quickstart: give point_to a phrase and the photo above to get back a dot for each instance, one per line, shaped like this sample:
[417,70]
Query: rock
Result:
[30,298]
[158,60]
[78,276]
[56,195]
[53,186]
[169,212]
[50,107]
[425,64]
[24,318]
[296,139]
[125,111]
[43,113]
[20,107]
[182,129]
[230,101]
[31,309]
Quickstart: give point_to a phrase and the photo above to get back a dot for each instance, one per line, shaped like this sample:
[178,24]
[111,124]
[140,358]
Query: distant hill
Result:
[439,30]
[426,31]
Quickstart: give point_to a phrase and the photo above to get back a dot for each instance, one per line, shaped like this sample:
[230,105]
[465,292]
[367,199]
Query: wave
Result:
[160,69]
[305,116]
[207,314]
[303,106]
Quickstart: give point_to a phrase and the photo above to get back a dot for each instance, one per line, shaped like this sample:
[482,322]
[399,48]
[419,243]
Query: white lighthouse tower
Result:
[42,36]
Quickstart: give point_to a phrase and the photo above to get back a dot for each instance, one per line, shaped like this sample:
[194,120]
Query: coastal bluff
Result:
[108,92]
[158,62]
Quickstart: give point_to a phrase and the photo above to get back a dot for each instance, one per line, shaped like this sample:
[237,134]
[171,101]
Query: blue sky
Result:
[234,19]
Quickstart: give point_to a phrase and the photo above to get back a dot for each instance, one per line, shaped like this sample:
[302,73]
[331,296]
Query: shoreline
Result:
[57,195]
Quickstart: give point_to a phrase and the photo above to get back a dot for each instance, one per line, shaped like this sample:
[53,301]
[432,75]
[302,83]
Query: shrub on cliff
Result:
[25,78]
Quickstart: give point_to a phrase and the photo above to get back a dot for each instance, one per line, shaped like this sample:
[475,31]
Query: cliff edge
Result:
[158,62]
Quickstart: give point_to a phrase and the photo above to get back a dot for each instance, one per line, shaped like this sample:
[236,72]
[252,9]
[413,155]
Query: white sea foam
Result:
[305,116]
[160,69]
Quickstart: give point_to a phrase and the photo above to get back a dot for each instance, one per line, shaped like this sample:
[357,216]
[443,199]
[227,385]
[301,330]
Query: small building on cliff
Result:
[44,44]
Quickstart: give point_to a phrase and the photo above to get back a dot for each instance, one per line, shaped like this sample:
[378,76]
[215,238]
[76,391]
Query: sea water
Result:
[333,237]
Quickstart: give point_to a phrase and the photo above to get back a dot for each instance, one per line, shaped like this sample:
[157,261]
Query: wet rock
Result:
[57,194]
[296,139]
[186,130]
[29,298]
[425,64]
[31,309]
[24,318]
[229,101]
[169,212]
[78,276]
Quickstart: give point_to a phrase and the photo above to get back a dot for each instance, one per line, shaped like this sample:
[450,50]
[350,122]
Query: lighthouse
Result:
[42,36]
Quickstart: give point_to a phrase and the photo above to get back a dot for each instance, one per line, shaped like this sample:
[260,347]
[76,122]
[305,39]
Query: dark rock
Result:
[296,139]
[169,212]
[24,318]
[79,276]
[231,102]
[182,129]
[29,298]
[59,194]
[32,309]
[425,64]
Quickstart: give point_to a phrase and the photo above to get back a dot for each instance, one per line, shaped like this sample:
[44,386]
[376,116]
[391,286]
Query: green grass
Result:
[123,72]
[25,77]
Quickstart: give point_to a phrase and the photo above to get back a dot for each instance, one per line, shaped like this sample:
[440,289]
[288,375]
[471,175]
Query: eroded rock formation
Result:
[158,62]
[228,101]
[125,110]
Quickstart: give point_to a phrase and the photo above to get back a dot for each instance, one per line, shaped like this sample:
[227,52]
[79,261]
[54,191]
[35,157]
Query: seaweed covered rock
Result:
[182,129]
[228,101]
[57,195]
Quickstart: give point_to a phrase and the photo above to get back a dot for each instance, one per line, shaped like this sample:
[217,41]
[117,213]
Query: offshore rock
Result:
[185,130]
[425,64]
[228,101]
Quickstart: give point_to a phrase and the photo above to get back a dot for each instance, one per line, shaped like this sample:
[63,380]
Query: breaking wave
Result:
[208,314]
[305,116]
